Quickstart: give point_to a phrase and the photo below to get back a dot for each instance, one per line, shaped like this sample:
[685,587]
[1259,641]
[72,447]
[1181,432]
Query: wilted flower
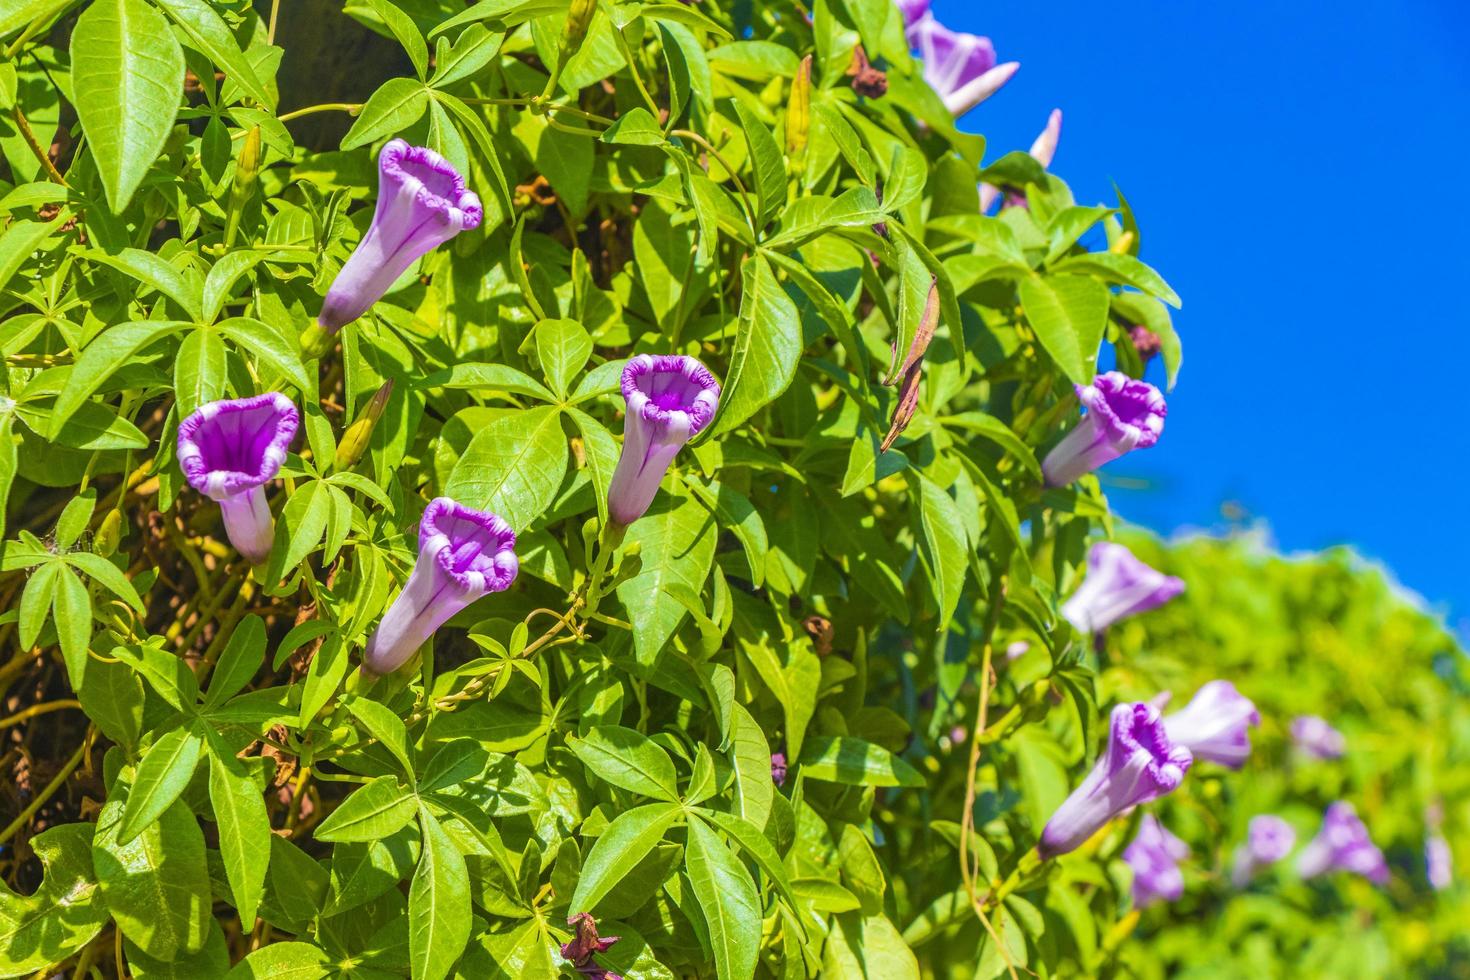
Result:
[1439,862]
[1043,150]
[911,371]
[959,67]
[1316,737]
[1215,725]
[1154,856]
[228,451]
[585,944]
[670,399]
[1117,586]
[1140,764]
[1122,415]
[1343,845]
[778,768]
[463,555]
[1268,840]
[422,203]
[1145,341]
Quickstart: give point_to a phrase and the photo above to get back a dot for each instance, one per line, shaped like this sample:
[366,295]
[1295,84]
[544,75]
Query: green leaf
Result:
[1122,269]
[728,899]
[767,162]
[472,50]
[754,842]
[62,914]
[767,346]
[856,763]
[438,904]
[663,258]
[113,698]
[407,33]
[127,81]
[199,370]
[751,755]
[494,377]
[244,829]
[1068,225]
[600,450]
[735,512]
[208,33]
[870,946]
[113,348]
[394,107]
[244,653]
[513,467]
[625,842]
[636,127]
[282,961]
[275,350]
[1069,315]
[946,549]
[378,809]
[166,769]
[677,538]
[154,885]
[628,759]
[71,607]
[20,240]
[563,347]
[155,272]
[35,600]
[386,727]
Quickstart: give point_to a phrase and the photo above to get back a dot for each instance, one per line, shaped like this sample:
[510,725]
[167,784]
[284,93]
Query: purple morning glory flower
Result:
[228,451]
[778,768]
[1439,862]
[463,555]
[1316,737]
[422,203]
[1268,840]
[1215,725]
[1154,856]
[960,67]
[1122,415]
[1139,765]
[912,10]
[1117,586]
[1043,149]
[670,399]
[1343,844]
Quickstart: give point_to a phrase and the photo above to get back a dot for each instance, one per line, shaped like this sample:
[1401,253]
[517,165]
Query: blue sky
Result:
[1298,171]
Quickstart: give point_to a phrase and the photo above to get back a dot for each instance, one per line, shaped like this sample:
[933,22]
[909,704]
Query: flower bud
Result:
[355,440]
[799,111]
[247,172]
[579,18]
[109,532]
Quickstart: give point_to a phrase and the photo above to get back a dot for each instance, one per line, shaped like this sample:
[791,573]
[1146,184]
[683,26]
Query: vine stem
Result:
[61,777]
[968,871]
[352,107]
[694,137]
[39,709]
[24,126]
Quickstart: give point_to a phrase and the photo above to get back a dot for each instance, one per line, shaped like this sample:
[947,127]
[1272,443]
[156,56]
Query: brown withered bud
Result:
[867,81]
[1145,341]
[819,628]
[912,369]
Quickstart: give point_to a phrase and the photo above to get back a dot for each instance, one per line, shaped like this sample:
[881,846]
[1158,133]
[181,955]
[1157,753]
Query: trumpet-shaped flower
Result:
[913,10]
[463,555]
[422,203]
[960,67]
[1117,586]
[1343,844]
[1216,724]
[1154,856]
[1140,764]
[228,451]
[1315,737]
[1122,415]
[670,399]
[1268,840]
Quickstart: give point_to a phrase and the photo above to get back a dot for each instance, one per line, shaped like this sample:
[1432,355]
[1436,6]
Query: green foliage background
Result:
[232,793]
